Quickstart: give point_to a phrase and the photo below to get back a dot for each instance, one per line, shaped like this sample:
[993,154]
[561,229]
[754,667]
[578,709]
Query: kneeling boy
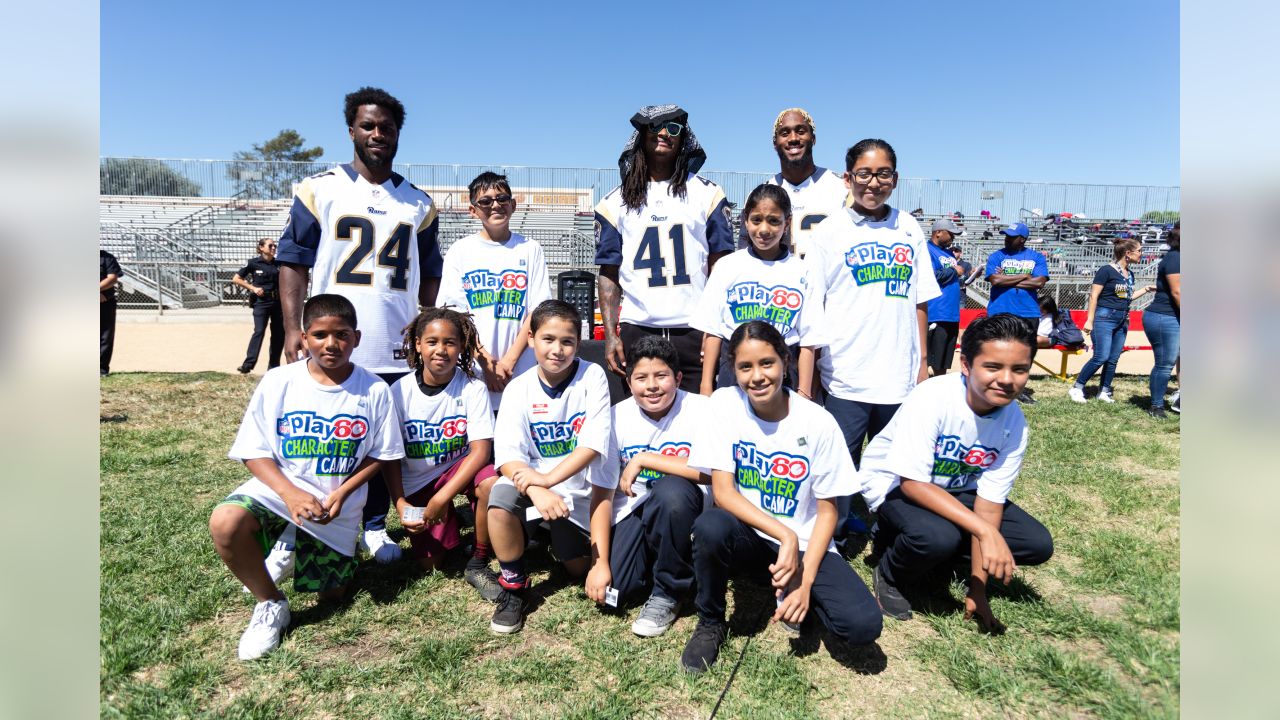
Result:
[939,475]
[658,496]
[312,436]
[550,443]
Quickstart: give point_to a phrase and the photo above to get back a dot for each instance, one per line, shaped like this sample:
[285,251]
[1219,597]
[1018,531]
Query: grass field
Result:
[1095,632]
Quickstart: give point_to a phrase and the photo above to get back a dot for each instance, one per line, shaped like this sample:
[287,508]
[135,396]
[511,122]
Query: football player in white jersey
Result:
[364,232]
[657,236]
[815,192]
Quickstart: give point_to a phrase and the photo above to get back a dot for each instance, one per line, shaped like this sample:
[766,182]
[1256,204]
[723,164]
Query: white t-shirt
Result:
[822,194]
[743,287]
[1045,327]
[438,429]
[499,284]
[540,430]
[661,250]
[936,437]
[317,435]
[783,468]
[371,244]
[635,432]
[872,274]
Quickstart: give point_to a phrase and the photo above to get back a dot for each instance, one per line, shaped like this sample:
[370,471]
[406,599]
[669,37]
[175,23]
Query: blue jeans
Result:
[1164,333]
[1110,327]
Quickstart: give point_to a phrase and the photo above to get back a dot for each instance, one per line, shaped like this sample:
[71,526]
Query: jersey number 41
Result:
[649,257]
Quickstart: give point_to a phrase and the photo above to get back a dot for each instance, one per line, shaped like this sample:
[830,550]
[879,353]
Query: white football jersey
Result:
[438,429]
[661,249]
[872,275]
[936,437]
[743,287]
[812,201]
[318,435]
[784,468]
[372,244]
[540,428]
[634,432]
[499,284]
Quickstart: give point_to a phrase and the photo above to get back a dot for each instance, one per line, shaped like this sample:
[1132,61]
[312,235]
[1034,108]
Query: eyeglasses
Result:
[673,128]
[884,175]
[488,202]
[271,246]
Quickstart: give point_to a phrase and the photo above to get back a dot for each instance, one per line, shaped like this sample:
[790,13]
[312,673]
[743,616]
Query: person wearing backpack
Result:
[1056,326]
[1108,320]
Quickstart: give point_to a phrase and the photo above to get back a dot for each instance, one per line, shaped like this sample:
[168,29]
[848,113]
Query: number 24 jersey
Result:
[661,249]
[371,244]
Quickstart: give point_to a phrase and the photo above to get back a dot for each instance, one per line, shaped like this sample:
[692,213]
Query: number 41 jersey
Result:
[661,250]
[372,244]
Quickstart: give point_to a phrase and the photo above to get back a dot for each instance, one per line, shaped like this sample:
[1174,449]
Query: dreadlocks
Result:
[469,337]
[635,186]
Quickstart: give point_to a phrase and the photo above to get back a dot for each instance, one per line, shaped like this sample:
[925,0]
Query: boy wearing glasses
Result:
[499,276]
[259,277]
[657,236]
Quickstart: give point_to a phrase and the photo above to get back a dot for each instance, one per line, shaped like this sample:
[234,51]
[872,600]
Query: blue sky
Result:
[1058,92]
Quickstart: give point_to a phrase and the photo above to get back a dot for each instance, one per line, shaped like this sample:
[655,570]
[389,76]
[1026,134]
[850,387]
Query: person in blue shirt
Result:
[944,310]
[1016,274]
[1108,319]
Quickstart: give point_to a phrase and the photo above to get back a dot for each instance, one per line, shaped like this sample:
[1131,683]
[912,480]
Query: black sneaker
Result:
[703,648]
[244,369]
[1157,413]
[480,577]
[1025,398]
[509,617]
[892,603]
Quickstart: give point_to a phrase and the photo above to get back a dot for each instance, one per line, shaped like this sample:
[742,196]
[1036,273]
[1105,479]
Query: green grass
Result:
[1092,633]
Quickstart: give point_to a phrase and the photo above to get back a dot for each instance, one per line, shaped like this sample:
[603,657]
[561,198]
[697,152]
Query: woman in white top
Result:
[776,462]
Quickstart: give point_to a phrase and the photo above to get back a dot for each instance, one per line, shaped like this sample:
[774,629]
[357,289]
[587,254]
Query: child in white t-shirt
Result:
[764,281]
[777,463]
[550,444]
[500,276]
[939,475]
[313,434]
[447,425]
[659,495]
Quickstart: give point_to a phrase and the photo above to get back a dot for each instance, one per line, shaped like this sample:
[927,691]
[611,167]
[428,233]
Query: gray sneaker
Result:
[485,580]
[656,617]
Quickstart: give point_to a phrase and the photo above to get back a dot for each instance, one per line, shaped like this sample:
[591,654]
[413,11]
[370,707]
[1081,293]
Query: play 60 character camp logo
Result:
[872,262]
[334,442]
[503,291]
[776,477]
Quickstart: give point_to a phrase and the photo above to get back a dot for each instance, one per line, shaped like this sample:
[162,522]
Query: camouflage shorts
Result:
[317,567]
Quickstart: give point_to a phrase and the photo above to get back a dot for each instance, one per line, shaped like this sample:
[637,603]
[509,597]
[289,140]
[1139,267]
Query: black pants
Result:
[378,500]
[916,540]
[859,421]
[723,543]
[266,312]
[942,345]
[106,335]
[654,541]
[688,344]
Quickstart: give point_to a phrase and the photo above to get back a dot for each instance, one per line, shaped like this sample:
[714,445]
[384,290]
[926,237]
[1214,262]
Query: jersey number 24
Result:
[394,253]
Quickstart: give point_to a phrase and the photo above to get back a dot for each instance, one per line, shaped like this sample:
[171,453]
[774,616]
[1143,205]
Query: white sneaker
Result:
[280,560]
[1173,402]
[270,618]
[656,617]
[380,545]
[1105,397]
[1076,394]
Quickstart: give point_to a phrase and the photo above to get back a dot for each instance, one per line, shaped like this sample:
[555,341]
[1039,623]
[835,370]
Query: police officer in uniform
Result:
[260,277]
[108,278]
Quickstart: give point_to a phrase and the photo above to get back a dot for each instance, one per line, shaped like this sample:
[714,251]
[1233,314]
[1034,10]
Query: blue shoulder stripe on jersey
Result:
[300,238]
[350,171]
[429,259]
[720,229]
[397,179]
[608,242]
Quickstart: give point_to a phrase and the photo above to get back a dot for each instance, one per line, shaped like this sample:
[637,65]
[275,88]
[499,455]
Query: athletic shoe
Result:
[1076,394]
[656,617]
[892,603]
[1157,413]
[270,618]
[483,579]
[1025,398]
[703,648]
[244,369]
[380,545]
[1173,402]
[1105,396]
[509,617]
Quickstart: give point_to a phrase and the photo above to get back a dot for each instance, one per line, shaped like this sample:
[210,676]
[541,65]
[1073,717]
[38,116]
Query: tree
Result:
[271,169]
[1161,216]
[137,176]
